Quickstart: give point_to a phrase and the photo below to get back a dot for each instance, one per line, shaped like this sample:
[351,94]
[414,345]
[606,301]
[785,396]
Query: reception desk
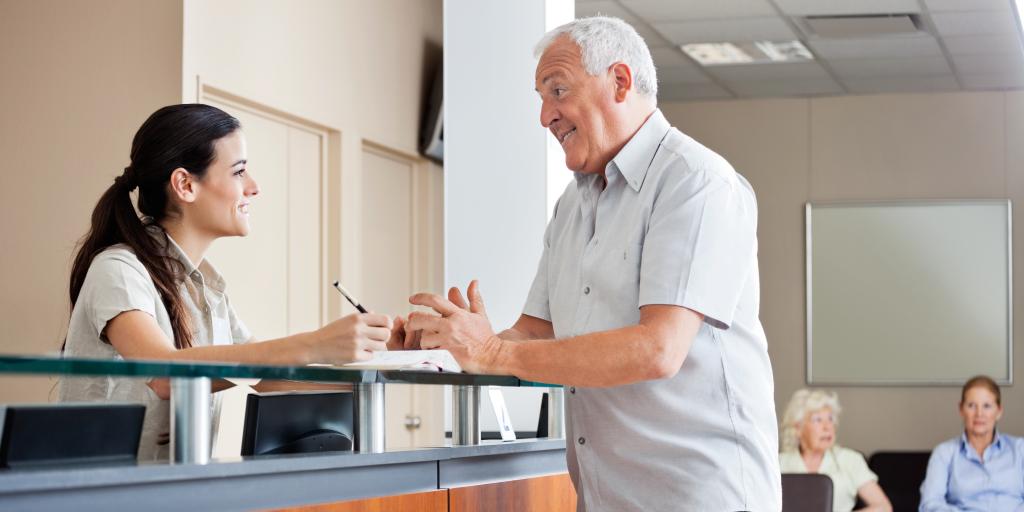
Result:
[466,474]
[273,482]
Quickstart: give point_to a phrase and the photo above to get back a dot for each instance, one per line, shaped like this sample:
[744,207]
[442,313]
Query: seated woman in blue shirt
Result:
[982,468]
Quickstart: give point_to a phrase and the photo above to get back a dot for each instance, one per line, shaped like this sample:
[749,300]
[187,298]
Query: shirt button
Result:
[582,440]
[572,389]
[586,291]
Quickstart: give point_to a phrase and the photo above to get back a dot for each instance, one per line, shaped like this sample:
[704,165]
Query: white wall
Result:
[883,147]
[496,159]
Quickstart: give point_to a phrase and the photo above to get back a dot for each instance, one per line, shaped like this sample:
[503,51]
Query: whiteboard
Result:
[915,293]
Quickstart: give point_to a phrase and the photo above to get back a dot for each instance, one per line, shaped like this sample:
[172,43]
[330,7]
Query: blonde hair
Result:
[805,401]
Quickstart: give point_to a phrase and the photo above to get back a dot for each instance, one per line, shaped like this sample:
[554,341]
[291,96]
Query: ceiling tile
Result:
[690,92]
[863,68]
[670,10]
[768,71]
[736,30]
[610,8]
[967,5]
[968,23]
[681,74]
[993,81]
[986,64]
[983,44]
[807,87]
[846,7]
[884,47]
[911,84]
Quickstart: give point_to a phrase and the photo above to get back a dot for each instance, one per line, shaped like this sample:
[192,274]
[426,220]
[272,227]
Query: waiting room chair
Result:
[804,492]
[900,475]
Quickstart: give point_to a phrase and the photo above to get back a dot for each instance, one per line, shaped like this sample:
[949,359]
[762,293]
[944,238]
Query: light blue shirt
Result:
[958,479]
[675,225]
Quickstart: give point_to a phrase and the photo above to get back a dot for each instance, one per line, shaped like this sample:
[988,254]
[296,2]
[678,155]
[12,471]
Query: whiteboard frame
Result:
[808,211]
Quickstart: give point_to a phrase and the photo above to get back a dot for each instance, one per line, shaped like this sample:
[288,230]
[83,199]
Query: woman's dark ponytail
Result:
[178,136]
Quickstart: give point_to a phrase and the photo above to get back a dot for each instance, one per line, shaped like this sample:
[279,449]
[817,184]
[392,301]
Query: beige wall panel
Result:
[305,255]
[767,142]
[255,266]
[387,233]
[348,65]
[907,146]
[862,147]
[78,79]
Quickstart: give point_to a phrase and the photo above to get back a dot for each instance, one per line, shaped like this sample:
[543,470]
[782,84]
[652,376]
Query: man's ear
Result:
[623,77]
[183,185]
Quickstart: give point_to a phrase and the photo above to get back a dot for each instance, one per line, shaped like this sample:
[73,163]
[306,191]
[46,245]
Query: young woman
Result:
[141,287]
[982,468]
[809,446]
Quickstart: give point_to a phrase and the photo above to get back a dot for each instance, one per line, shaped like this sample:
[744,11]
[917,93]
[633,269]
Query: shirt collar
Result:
[209,274]
[997,442]
[636,156]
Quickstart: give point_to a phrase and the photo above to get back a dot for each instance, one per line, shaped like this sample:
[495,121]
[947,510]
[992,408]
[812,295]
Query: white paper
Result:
[438,360]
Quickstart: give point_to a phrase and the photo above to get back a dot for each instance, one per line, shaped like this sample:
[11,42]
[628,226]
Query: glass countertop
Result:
[53,365]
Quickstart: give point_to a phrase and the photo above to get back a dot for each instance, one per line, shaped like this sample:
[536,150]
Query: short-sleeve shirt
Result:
[675,225]
[117,282]
[847,469]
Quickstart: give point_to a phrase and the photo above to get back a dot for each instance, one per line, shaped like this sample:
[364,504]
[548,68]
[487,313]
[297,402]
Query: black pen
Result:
[355,303]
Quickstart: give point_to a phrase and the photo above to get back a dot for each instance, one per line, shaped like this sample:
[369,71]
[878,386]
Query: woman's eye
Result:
[239,172]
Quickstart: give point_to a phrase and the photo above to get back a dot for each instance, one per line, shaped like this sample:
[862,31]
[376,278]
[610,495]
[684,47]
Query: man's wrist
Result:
[501,356]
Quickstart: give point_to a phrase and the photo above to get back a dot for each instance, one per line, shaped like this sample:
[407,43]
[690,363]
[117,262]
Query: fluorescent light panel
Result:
[760,52]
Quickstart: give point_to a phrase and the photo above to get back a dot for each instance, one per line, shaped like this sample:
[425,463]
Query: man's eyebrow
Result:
[552,76]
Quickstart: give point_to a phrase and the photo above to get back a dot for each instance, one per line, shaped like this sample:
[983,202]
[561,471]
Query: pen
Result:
[355,303]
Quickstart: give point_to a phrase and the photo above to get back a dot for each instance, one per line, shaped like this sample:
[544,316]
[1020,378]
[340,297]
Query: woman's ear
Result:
[183,185]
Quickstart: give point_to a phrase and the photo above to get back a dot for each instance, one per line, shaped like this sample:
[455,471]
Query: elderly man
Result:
[645,303]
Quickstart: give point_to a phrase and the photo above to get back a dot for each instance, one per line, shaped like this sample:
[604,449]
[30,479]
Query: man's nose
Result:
[548,114]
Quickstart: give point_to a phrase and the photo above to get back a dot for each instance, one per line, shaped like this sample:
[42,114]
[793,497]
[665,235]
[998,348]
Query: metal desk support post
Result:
[556,412]
[369,404]
[465,415]
[190,420]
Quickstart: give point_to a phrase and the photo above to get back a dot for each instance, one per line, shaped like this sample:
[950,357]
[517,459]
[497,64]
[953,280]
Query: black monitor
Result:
[70,434]
[542,418]
[279,423]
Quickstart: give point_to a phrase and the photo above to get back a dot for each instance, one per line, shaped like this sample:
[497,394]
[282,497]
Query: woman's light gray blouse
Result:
[118,282]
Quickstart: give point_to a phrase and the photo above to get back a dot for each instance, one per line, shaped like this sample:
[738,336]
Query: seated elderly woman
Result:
[982,468]
[809,446]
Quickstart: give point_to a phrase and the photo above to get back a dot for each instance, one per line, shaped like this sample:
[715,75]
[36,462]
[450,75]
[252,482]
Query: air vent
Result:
[868,25]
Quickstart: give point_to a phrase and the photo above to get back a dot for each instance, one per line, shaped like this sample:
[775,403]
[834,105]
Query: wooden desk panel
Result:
[552,493]
[430,501]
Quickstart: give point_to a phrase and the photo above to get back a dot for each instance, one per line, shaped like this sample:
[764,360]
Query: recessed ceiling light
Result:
[720,54]
[711,54]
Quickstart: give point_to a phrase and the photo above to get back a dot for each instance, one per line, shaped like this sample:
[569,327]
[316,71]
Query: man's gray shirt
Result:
[675,225]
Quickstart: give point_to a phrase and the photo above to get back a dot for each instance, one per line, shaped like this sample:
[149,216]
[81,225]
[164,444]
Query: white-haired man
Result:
[645,303]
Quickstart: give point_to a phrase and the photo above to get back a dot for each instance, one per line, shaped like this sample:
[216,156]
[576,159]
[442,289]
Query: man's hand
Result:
[462,329]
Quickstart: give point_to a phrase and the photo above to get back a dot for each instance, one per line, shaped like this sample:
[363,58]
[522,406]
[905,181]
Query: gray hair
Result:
[603,41]
[805,401]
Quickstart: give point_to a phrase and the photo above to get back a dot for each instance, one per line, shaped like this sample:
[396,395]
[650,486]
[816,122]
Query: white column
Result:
[499,173]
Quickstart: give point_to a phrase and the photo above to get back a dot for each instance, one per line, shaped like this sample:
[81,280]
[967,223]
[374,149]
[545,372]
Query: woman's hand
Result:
[352,338]
[401,339]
